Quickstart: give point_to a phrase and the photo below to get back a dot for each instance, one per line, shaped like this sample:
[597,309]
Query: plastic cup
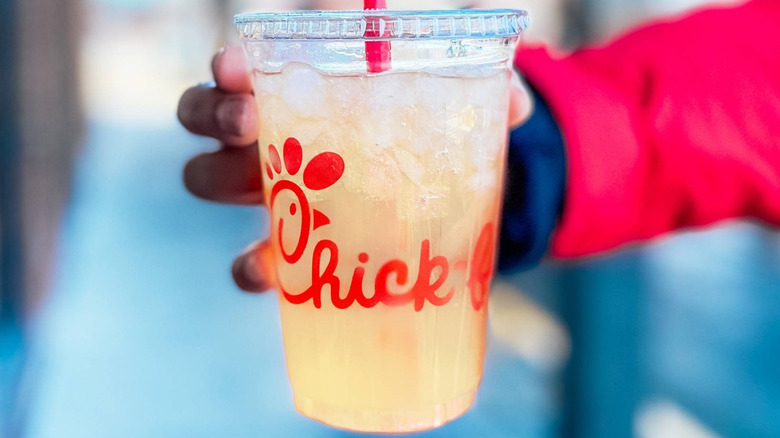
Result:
[384,191]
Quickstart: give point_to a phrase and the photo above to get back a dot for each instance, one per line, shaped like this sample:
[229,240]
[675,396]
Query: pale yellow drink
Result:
[422,162]
[382,145]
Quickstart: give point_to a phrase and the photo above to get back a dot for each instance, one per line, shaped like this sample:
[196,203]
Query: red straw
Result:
[377,52]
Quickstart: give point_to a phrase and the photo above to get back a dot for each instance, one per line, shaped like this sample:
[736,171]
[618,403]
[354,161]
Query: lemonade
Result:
[382,145]
[384,193]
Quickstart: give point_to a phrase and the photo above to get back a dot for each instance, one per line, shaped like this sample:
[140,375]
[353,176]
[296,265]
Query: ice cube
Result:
[450,120]
[485,92]
[450,155]
[411,166]
[376,177]
[376,134]
[275,115]
[438,93]
[350,93]
[304,91]
[314,136]
[392,91]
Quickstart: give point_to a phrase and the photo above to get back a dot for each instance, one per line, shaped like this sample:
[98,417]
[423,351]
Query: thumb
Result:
[520,103]
[230,70]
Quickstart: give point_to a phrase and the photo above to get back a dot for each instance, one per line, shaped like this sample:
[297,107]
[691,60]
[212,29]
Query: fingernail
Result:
[230,115]
[234,53]
[217,58]
[233,48]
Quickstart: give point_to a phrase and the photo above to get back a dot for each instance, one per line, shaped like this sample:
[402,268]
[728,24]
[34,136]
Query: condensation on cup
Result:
[383,173]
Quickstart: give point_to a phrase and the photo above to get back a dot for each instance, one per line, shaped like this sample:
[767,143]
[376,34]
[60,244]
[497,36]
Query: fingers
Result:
[229,175]
[520,103]
[230,71]
[226,111]
[253,270]
[209,111]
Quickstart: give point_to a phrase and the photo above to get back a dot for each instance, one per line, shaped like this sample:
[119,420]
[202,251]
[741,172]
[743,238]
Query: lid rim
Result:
[394,24]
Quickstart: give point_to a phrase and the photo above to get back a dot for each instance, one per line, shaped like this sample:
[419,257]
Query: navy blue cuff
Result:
[535,184]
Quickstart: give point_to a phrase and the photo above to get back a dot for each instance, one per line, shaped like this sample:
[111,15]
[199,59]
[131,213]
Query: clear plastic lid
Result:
[383,25]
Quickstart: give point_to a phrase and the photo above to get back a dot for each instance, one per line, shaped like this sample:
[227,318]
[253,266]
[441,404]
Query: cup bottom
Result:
[385,421]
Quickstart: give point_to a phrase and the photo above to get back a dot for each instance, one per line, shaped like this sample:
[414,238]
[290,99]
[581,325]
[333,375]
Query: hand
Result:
[226,111]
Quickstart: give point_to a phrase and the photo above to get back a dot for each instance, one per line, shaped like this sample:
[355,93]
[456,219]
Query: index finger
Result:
[230,70]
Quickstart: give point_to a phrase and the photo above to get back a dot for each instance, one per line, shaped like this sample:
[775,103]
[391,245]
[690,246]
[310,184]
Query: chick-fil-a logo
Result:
[321,172]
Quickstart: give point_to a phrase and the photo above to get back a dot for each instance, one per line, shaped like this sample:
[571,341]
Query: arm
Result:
[675,125]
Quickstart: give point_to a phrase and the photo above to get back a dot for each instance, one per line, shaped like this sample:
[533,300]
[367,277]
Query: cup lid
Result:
[382,24]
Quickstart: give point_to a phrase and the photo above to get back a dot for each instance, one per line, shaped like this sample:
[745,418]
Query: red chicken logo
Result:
[320,173]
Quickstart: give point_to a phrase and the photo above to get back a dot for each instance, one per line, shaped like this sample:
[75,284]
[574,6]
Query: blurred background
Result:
[118,317]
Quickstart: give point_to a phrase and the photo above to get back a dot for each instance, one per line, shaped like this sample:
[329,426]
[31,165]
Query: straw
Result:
[377,52]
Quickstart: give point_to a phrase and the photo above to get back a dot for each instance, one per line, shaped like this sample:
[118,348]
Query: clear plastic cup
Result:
[382,142]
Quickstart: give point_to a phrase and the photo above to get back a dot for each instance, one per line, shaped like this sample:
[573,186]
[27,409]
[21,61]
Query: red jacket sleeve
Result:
[677,124]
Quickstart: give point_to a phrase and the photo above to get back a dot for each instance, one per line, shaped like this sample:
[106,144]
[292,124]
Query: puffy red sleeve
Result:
[674,125]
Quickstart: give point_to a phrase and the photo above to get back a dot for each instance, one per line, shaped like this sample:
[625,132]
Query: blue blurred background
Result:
[118,317]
